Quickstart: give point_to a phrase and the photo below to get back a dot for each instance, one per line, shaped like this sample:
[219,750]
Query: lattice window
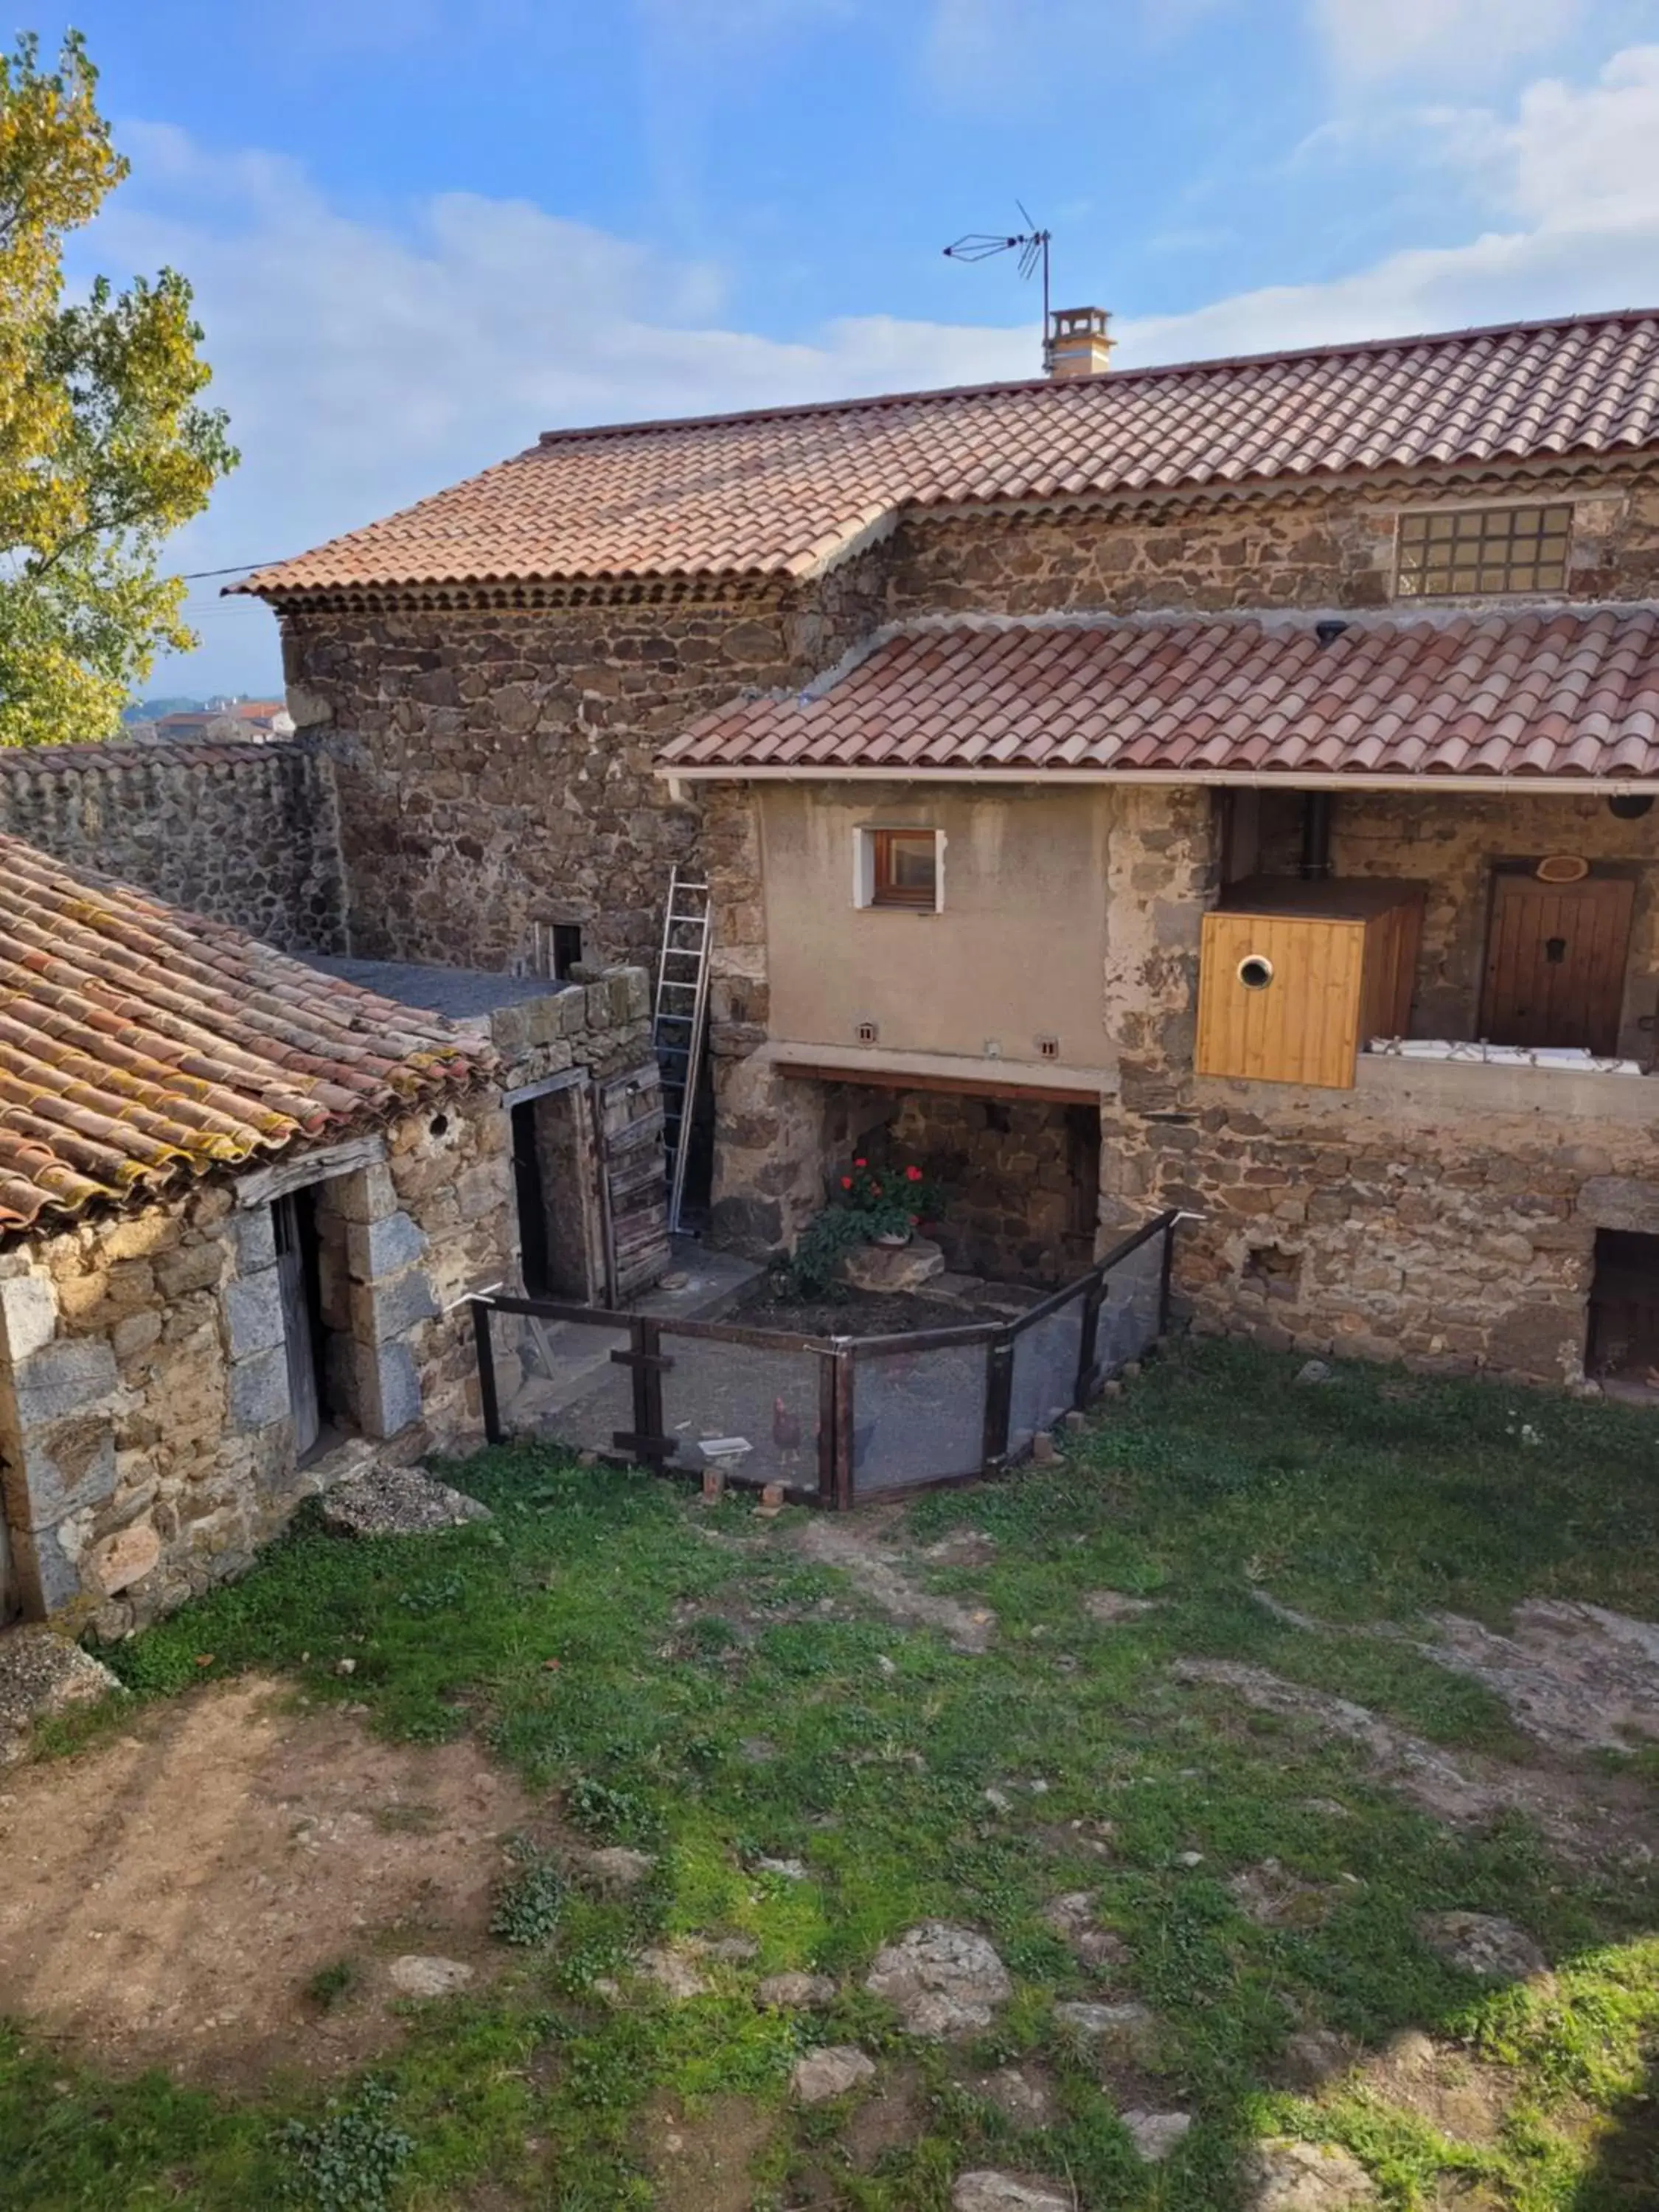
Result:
[1466,551]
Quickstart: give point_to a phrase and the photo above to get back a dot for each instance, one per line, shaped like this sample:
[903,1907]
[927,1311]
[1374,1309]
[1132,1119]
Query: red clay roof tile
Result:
[780,492]
[139,1044]
[1554,692]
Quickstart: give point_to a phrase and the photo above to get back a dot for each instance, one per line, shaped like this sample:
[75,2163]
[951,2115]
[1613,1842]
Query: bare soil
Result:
[703,2160]
[169,1895]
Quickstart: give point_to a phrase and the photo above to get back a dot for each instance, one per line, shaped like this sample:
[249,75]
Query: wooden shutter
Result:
[1555,961]
[299,1329]
[628,1117]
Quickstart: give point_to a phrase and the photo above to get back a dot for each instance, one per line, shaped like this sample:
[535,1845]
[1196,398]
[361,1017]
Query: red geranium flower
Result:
[913,1174]
[847,1182]
[861,1163]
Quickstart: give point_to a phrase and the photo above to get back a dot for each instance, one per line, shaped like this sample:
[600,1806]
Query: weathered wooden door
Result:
[299,1327]
[629,1119]
[1555,961]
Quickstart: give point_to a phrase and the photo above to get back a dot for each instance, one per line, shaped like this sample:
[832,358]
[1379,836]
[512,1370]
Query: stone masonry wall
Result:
[246,834]
[1326,1226]
[494,768]
[1022,1178]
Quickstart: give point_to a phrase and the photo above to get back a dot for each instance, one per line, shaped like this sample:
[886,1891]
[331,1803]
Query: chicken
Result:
[786,1427]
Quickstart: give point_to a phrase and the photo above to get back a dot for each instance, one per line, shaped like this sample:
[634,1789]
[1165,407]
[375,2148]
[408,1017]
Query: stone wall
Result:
[247,834]
[495,767]
[1214,551]
[1446,1217]
[1021,1176]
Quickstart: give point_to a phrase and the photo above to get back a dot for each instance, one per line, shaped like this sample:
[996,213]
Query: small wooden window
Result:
[904,869]
[1463,553]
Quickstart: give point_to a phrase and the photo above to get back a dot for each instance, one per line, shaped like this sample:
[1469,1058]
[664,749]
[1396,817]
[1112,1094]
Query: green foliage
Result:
[351,2159]
[869,1202]
[819,1250]
[329,1984]
[614,1816]
[529,1903]
[104,449]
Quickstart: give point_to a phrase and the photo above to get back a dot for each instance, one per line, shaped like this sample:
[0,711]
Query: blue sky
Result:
[423,230]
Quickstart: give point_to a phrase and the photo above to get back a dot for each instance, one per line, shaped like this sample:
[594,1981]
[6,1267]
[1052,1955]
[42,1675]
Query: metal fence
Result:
[834,1420]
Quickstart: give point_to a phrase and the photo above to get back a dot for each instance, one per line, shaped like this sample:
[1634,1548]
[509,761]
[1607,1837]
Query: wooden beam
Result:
[885,1079]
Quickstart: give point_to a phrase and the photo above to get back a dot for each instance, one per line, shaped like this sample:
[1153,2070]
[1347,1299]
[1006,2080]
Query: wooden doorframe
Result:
[1614,888]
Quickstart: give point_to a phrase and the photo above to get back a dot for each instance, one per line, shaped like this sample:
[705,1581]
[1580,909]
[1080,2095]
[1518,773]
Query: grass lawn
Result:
[721,1697]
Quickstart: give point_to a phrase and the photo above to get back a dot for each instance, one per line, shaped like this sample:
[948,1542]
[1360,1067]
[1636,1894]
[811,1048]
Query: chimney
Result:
[1077,342]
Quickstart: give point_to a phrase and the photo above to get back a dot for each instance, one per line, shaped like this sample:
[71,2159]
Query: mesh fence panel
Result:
[1044,1381]
[1132,1310]
[557,1379]
[769,1400]
[917,1417]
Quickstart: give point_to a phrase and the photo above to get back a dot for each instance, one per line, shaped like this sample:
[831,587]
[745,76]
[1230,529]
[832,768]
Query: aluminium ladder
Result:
[680,1028]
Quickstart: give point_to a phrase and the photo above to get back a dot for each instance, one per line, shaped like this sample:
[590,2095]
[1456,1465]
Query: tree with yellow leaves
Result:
[103,447]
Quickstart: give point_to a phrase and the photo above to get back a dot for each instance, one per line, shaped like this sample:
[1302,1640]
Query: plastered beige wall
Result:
[1018,951]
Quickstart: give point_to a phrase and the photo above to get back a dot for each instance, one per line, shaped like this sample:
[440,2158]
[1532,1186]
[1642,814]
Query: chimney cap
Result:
[1079,342]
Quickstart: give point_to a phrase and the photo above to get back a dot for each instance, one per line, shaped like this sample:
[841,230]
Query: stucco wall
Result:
[1017,951]
[1451,841]
[247,834]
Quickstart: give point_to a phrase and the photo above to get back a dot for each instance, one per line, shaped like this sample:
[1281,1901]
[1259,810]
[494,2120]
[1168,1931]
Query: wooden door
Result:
[299,1325]
[629,1116]
[1555,961]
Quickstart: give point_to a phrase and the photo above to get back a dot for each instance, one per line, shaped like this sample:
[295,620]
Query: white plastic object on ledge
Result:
[1574,1058]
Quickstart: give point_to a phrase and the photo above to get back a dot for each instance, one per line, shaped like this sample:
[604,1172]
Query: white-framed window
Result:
[900,867]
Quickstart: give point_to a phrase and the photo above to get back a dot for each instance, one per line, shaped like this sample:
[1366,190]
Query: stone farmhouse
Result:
[1227,786]
[243,1196]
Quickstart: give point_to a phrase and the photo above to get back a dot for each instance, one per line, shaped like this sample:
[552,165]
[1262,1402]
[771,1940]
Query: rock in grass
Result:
[673,1972]
[1281,2175]
[1482,1944]
[795,1992]
[1128,2031]
[942,1981]
[830,2073]
[612,1870]
[42,1674]
[986,2190]
[415,1976]
[1155,2135]
[396,1501]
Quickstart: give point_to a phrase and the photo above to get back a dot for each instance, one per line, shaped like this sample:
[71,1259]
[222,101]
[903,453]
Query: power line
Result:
[238,569]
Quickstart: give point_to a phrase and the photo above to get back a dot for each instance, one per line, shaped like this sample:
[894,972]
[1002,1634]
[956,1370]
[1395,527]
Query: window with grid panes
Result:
[1460,552]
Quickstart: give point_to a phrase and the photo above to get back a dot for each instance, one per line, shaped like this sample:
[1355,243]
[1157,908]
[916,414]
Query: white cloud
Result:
[1365,39]
[366,366]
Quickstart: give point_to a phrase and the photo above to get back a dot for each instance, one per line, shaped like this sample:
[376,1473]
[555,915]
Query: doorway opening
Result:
[299,1275]
[1622,1349]
[553,1189]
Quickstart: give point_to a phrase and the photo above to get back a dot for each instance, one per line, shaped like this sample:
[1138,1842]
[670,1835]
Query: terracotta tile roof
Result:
[139,1044]
[1553,693]
[783,491]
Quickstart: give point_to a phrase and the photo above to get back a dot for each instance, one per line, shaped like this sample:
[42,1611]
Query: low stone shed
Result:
[242,1201]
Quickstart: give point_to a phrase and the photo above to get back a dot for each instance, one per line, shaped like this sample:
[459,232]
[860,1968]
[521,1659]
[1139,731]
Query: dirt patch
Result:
[1458,2096]
[170,1895]
[1580,1814]
[704,2161]
[895,2114]
[875,1569]
[860,1313]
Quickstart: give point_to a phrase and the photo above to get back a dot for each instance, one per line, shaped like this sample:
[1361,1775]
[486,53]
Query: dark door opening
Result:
[294,1218]
[1555,961]
[530,1193]
[1622,1345]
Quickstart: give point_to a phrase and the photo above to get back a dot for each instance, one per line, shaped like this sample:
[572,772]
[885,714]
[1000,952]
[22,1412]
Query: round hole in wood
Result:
[1630,806]
[1255,971]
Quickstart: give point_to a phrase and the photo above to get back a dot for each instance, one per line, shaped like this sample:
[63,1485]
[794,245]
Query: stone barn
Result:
[242,1201]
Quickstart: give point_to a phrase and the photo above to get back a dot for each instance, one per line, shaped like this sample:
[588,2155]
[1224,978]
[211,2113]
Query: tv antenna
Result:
[1031,244]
